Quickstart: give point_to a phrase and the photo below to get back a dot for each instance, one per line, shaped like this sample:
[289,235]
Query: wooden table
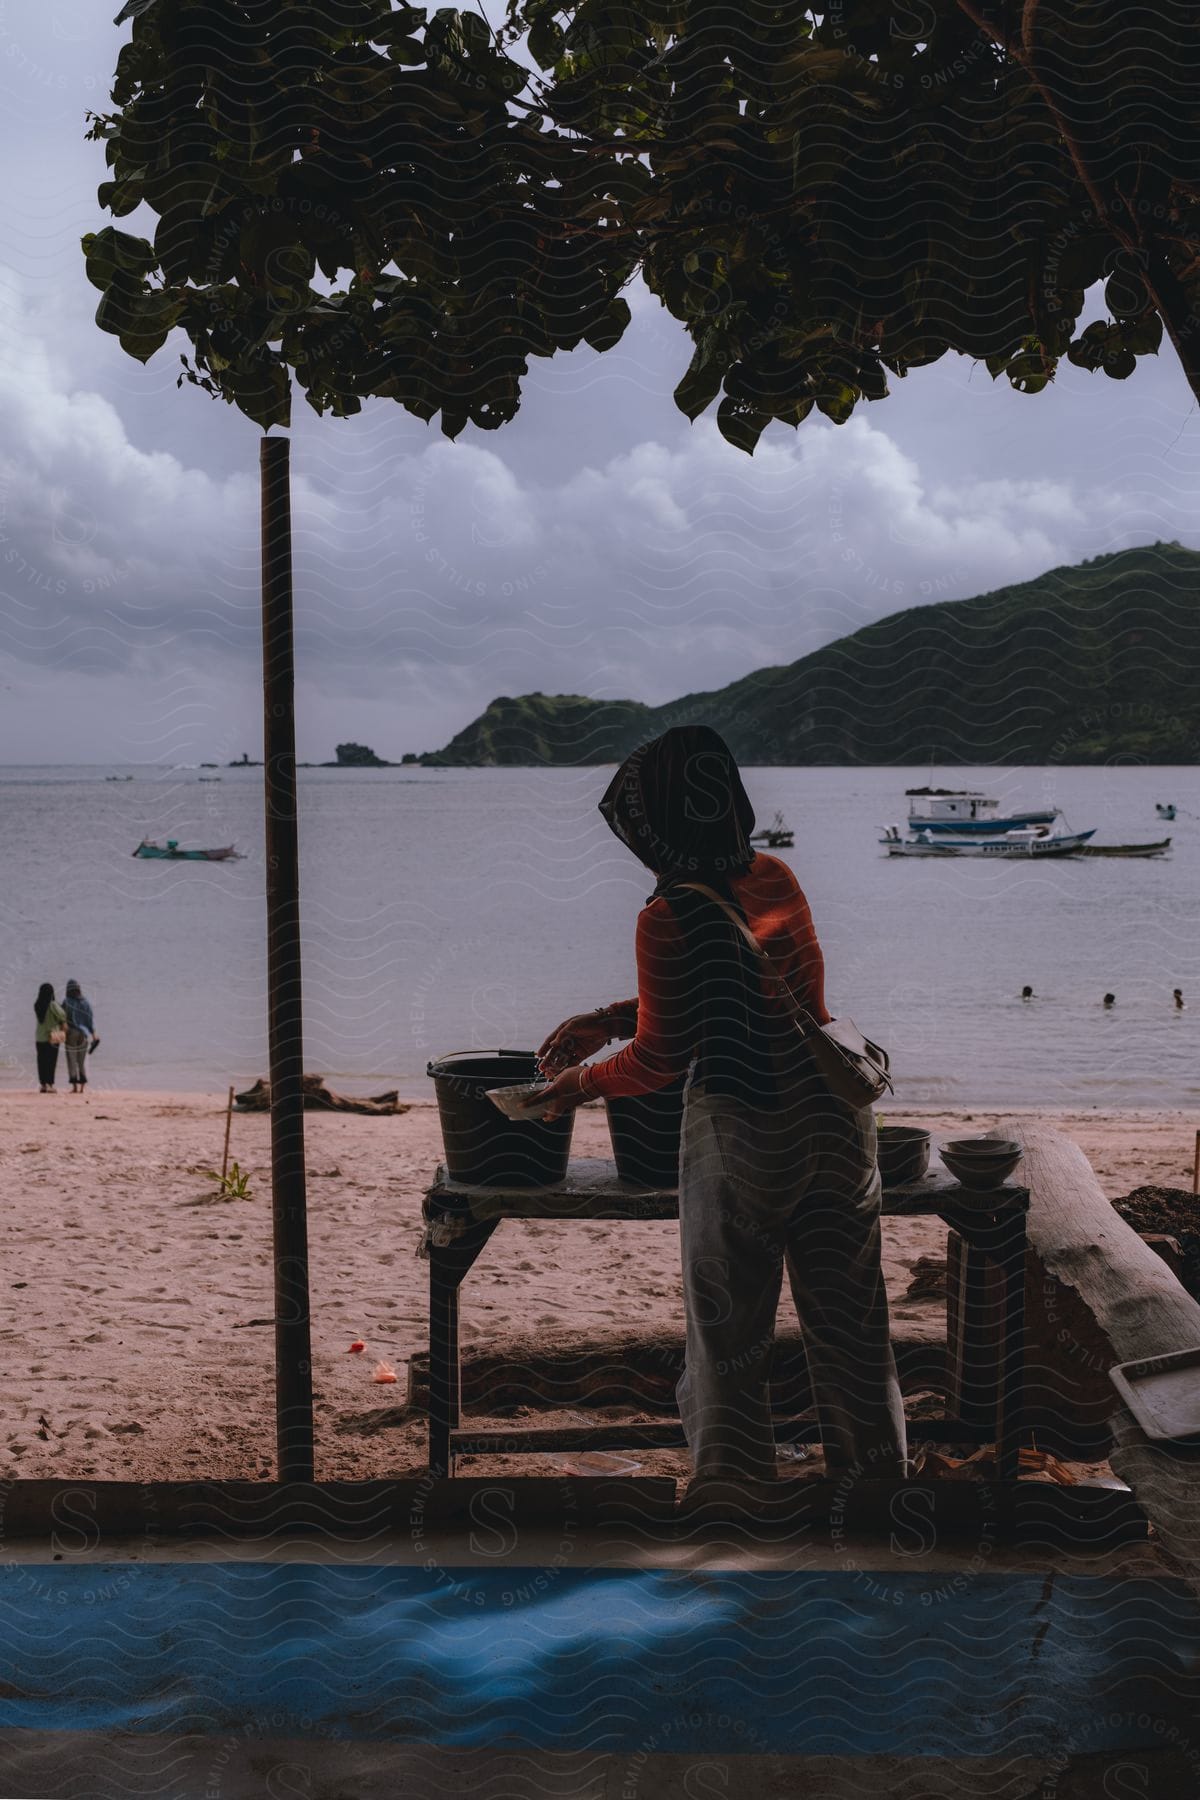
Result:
[460,1220]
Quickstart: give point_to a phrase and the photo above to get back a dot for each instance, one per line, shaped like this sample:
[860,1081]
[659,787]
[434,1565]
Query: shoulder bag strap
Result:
[800,1013]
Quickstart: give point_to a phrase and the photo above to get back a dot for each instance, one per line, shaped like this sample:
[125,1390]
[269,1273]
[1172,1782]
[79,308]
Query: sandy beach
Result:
[137,1330]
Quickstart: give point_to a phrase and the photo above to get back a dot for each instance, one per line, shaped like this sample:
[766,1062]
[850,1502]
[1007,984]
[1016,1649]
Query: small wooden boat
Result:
[170,852]
[1159,849]
[778,835]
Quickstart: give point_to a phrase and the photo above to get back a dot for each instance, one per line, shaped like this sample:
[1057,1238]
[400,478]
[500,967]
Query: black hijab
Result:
[679,804]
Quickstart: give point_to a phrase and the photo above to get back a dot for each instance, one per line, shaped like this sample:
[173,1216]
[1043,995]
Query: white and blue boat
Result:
[966,812]
[1024,841]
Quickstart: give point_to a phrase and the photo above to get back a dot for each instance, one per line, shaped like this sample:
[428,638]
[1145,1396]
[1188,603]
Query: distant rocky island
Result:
[356,756]
[348,756]
[1090,664]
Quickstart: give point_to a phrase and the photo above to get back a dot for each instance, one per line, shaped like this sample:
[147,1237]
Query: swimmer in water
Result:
[1178,996]
[1027,993]
[1109,999]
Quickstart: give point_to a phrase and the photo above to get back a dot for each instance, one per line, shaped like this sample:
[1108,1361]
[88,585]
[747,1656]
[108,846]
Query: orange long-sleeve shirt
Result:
[667,1006]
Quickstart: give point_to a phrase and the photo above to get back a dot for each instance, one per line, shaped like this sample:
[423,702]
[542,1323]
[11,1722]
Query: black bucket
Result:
[483,1148]
[645,1135]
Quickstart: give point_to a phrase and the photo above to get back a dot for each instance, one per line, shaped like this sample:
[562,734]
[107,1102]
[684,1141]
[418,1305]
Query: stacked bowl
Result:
[981,1162]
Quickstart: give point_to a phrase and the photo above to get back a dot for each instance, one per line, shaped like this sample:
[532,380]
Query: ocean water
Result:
[449,909]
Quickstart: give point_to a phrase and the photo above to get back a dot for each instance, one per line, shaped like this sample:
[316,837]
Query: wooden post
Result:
[228,1123]
[289,1213]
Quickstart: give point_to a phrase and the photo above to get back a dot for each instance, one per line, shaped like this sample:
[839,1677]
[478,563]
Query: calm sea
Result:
[448,909]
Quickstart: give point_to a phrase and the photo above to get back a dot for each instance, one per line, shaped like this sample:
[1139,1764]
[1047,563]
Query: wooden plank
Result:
[35,1509]
[635,1370]
[548,1440]
[593,1189]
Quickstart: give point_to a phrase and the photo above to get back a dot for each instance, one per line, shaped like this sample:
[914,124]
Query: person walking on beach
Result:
[50,1033]
[774,1170]
[81,1035]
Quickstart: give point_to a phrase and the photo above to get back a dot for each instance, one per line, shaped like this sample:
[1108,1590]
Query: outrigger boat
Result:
[1029,841]
[967,812]
[778,835]
[170,852]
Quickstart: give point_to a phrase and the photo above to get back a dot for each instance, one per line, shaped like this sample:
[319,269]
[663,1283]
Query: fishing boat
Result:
[778,835]
[1159,849]
[955,811]
[1166,811]
[1027,841]
[170,852]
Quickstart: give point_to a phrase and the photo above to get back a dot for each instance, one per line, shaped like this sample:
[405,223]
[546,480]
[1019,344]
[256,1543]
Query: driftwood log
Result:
[319,1098]
[1099,1295]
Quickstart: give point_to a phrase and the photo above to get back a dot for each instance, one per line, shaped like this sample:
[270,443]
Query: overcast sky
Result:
[599,545]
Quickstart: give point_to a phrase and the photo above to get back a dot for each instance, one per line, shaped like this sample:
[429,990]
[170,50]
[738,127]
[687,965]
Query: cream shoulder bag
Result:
[854,1069]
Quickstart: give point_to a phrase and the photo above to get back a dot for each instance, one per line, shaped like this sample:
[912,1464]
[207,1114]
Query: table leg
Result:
[448,1266]
[1011,1385]
[971,1333]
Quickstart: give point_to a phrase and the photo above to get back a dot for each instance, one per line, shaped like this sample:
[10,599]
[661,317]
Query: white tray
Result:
[1162,1392]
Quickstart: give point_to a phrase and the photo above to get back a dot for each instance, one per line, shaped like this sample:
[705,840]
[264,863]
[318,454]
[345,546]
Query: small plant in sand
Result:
[234,1185]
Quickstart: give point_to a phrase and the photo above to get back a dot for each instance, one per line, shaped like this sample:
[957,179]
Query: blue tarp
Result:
[841,1662]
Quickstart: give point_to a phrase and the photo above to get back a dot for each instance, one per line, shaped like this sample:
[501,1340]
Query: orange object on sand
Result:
[384,1372]
[357,1347]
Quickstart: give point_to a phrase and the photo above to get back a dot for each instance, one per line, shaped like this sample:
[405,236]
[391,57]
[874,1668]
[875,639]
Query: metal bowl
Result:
[903,1153]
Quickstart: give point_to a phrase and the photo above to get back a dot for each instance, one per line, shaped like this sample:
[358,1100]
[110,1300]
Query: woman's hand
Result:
[574,1040]
[563,1094]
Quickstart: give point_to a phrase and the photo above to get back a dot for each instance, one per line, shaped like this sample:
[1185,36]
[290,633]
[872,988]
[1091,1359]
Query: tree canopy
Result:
[364,200]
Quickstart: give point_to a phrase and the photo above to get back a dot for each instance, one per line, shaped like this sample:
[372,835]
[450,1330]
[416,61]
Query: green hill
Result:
[1082,665]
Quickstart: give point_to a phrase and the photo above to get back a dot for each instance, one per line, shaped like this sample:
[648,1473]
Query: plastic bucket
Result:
[483,1148]
[645,1136]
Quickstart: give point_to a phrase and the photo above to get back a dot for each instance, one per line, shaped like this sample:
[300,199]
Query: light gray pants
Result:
[759,1187]
[77,1053]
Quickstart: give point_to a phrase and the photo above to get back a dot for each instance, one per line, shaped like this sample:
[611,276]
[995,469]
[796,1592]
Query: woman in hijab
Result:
[774,1169]
[81,1034]
[49,1034]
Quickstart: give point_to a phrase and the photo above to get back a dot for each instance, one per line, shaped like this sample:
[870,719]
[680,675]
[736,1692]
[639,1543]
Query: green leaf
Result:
[122,196]
[133,9]
[1144,336]
[1028,372]
[610,327]
[837,402]
[1120,364]
[702,382]
[741,425]
[1125,295]
[263,392]
[545,41]
[153,316]
[109,250]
